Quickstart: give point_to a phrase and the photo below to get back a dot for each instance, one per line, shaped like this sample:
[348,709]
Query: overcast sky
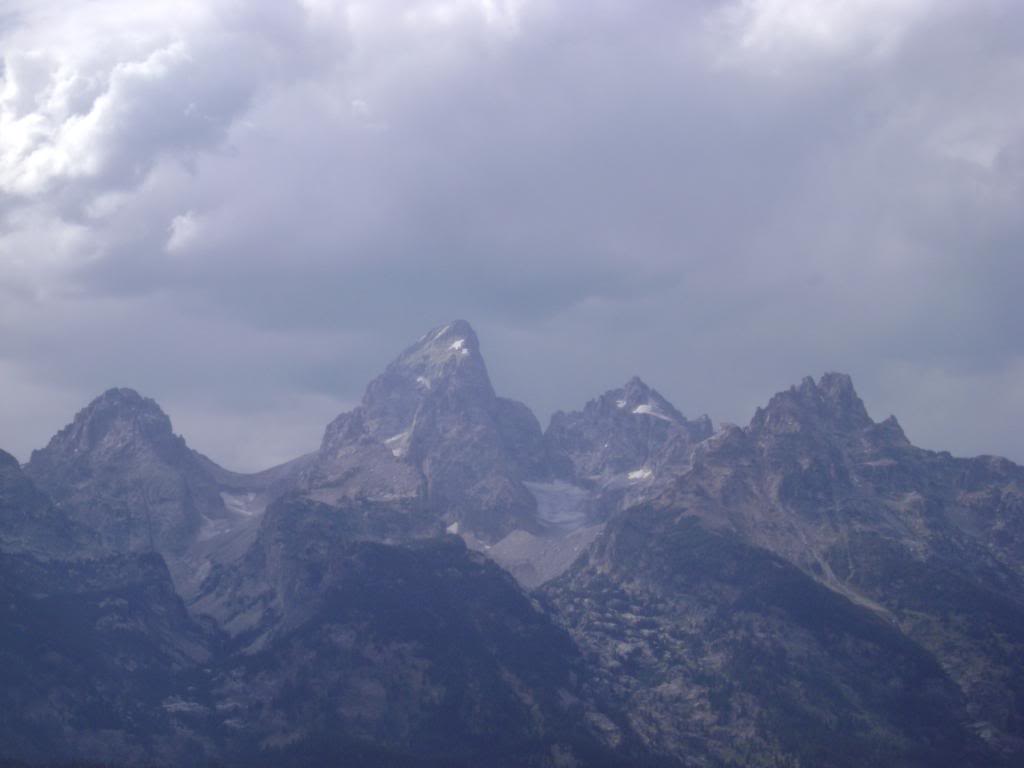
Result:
[246,209]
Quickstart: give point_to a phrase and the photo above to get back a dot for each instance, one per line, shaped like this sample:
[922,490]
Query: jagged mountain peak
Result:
[119,470]
[831,402]
[624,432]
[431,427]
[837,383]
[639,399]
[449,338]
[450,349]
[444,363]
[124,401]
[117,418]
[836,393]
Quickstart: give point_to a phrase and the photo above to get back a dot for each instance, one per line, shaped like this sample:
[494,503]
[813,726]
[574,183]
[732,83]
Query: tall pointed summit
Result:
[430,430]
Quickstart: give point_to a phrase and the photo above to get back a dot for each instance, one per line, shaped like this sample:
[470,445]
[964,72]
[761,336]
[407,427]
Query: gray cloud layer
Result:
[245,209]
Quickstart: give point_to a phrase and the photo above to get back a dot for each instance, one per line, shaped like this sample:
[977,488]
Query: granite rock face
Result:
[30,524]
[426,651]
[725,654]
[120,470]
[421,654]
[911,540]
[96,648]
[624,430]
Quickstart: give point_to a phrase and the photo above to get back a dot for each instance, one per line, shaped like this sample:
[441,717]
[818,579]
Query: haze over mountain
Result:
[442,583]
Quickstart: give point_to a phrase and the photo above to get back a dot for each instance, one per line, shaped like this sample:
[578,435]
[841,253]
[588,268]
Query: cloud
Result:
[209,199]
[183,232]
[792,31]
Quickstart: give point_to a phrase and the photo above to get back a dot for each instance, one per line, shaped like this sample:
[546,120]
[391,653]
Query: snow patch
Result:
[423,381]
[453,529]
[640,474]
[399,444]
[648,410]
[211,529]
[458,344]
[621,404]
[247,504]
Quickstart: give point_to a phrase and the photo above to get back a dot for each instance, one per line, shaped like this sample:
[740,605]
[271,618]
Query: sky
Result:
[246,209]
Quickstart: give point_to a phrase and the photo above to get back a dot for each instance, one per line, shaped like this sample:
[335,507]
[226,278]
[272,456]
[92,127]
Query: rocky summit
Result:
[444,583]
[430,428]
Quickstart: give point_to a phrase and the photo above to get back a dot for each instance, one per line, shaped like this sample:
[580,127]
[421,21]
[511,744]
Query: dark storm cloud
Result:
[246,211]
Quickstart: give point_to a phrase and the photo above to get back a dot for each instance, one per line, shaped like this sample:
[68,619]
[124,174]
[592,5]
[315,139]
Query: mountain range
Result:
[443,582]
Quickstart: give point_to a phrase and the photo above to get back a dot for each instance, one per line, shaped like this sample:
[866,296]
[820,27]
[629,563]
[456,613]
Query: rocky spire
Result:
[431,427]
[831,404]
[444,364]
